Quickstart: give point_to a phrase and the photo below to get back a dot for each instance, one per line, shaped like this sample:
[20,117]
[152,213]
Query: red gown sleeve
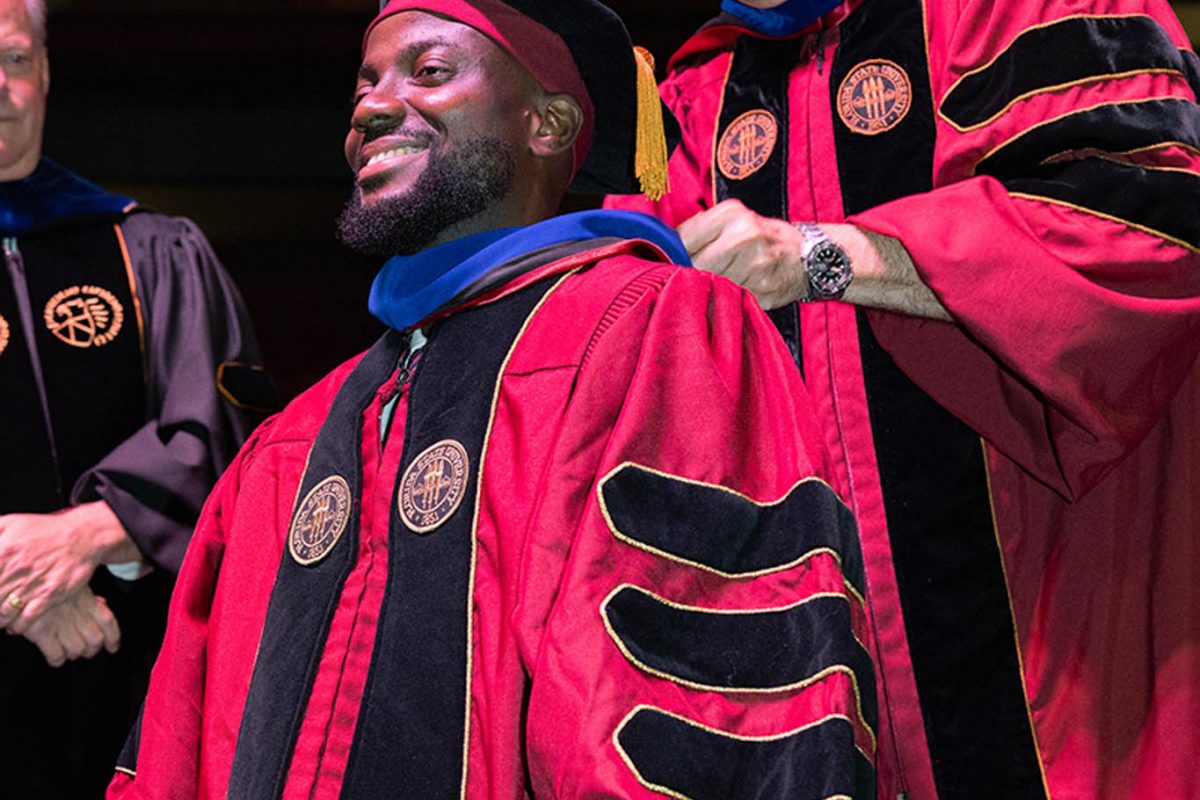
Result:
[1061,234]
[693,603]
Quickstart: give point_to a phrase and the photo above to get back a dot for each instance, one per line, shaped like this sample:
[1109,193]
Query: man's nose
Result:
[378,113]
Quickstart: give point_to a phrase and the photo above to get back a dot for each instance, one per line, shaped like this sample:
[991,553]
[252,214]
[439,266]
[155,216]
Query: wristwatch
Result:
[826,265]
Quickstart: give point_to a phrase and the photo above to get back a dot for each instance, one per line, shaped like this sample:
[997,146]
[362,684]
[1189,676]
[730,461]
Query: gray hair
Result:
[37,19]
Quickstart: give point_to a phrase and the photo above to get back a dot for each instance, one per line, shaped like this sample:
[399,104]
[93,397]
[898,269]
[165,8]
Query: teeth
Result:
[396,151]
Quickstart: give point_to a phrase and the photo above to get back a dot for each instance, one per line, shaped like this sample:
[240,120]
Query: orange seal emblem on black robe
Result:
[747,144]
[433,486]
[84,316]
[320,521]
[875,96]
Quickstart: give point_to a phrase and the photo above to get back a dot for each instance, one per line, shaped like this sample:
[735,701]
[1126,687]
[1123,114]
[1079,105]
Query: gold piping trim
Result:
[990,62]
[229,395]
[639,545]
[1135,151]
[1161,145]
[475,523]
[731,612]
[987,471]
[126,771]
[1055,88]
[1159,234]
[717,732]
[137,304]
[717,128]
[1061,117]
[1113,158]
[798,685]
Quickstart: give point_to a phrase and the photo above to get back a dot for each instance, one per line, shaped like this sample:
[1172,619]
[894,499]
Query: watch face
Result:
[828,270]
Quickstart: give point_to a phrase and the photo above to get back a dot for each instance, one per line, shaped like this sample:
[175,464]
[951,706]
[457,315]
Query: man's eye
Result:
[17,59]
[431,71]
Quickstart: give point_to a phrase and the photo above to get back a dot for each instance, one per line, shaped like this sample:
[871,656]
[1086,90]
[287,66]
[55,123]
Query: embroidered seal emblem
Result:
[874,97]
[433,486]
[84,316]
[747,144]
[320,521]
[4,334]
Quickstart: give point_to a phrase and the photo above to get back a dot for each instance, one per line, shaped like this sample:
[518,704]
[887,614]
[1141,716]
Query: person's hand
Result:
[46,557]
[78,627]
[765,256]
[756,252]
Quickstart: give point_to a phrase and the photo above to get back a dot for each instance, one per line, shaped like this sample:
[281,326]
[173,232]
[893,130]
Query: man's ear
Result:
[557,125]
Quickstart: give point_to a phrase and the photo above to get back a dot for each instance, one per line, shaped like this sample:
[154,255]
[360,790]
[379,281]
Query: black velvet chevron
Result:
[1080,48]
[1191,64]
[1113,128]
[726,532]
[1124,191]
[1167,202]
[690,761]
[746,650]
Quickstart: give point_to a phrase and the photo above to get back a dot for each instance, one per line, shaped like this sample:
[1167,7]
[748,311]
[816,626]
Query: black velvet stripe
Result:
[729,533]
[1112,128]
[683,759]
[1165,202]
[411,727]
[743,650]
[127,760]
[758,79]
[875,169]
[1069,51]
[24,437]
[949,574]
[74,259]
[304,598]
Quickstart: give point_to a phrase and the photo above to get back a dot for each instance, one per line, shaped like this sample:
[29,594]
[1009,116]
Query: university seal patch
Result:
[874,97]
[320,521]
[3,334]
[433,486]
[84,316]
[747,144]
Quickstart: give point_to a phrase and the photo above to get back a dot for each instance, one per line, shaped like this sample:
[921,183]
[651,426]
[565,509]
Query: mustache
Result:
[371,134]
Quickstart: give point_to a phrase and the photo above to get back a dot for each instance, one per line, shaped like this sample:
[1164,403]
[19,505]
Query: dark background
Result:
[234,113]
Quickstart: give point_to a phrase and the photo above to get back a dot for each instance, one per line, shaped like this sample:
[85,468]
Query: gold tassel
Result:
[650,158]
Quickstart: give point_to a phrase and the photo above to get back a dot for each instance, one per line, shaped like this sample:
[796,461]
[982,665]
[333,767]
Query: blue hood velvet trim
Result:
[53,193]
[410,288]
[791,17]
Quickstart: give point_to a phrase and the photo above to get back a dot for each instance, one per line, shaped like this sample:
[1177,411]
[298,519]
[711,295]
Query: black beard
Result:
[455,186]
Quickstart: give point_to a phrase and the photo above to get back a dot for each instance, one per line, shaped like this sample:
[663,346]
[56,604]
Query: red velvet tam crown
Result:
[579,48]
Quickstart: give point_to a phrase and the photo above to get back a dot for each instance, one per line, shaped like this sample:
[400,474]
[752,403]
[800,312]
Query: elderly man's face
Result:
[24,82]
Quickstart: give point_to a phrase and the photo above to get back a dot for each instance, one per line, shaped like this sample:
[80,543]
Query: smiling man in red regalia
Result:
[563,531]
